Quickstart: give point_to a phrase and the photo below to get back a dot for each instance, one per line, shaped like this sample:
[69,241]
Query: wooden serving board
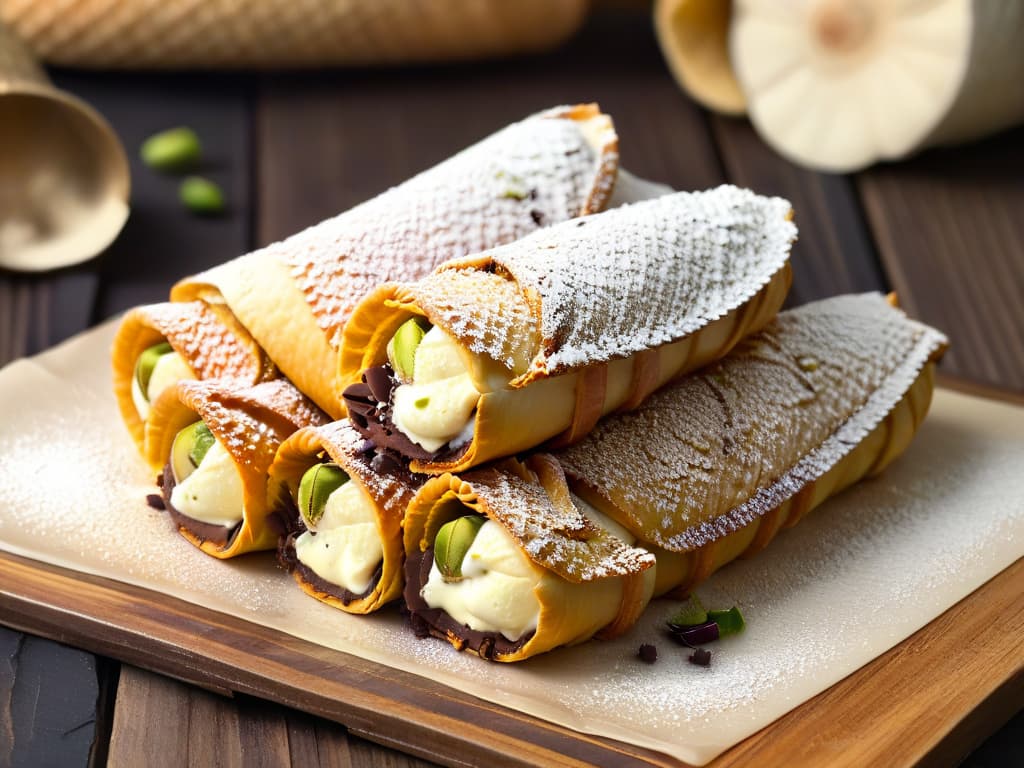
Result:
[931,699]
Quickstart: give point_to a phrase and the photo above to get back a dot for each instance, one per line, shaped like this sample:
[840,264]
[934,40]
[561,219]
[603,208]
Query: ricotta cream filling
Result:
[168,371]
[212,493]
[496,591]
[344,547]
[437,406]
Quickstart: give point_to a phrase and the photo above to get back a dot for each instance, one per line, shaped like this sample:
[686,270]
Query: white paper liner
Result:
[856,577]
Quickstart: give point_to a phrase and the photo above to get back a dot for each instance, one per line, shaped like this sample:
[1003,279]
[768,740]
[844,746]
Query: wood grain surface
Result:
[961,213]
[945,230]
[953,684]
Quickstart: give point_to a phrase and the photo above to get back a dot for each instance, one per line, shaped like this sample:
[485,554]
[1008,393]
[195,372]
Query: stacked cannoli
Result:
[280,311]
[544,431]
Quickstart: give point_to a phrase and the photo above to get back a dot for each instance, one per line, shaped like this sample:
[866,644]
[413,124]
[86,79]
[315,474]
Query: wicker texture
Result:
[290,33]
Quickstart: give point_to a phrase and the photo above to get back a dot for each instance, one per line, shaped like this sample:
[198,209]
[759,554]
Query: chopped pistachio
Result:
[317,484]
[452,542]
[201,195]
[172,150]
[189,448]
[147,362]
[403,345]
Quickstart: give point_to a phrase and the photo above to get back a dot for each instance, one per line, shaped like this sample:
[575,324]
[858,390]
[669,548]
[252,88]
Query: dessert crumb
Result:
[701,657]
[647,653]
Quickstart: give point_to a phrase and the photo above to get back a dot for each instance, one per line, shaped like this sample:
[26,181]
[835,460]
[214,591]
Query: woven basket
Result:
[284,33]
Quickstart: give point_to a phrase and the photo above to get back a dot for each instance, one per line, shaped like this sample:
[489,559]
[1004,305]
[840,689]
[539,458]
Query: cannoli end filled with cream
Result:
[505,564]
[215,441]
[158,345]
[341,508]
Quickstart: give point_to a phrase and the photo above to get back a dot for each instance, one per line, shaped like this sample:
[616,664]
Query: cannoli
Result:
[827,394]
[340,507]
[216,441]
[158,345]
[286,304]
[495,353]
[295,296]
[503,562]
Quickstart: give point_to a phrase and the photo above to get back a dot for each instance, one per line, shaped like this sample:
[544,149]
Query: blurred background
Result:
[892,126]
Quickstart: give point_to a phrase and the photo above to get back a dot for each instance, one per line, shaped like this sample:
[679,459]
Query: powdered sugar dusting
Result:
[251,422]
[890,554]
[208,346]
[500,324]
[636,277]
[531,174]
[563,541]
[718,447]
[345,446]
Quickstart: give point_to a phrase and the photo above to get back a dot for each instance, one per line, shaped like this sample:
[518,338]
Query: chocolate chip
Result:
[701,657]
[379,380]
[538,218]
[647,653]
[383,464]
[155,501]
[359,393]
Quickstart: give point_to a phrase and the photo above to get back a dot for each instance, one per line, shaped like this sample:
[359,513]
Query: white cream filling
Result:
[496,592]
[168,371]
[437,407]
[345,546]
[213,492]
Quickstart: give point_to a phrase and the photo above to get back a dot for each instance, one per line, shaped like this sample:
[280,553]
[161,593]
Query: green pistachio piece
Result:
[690,613]
[147,362]
[172,150]
[317,484]
[402,347]
[201,195]
[452,542]
[729,622]
[189,449]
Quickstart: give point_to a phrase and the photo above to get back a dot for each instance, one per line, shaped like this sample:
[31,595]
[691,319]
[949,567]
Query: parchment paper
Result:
[891,554]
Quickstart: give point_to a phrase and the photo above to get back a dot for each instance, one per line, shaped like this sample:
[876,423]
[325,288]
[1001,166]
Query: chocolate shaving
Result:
[369,411]
[380,381]
[155,501]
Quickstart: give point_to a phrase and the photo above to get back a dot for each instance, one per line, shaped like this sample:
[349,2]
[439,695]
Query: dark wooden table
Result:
[946,230]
